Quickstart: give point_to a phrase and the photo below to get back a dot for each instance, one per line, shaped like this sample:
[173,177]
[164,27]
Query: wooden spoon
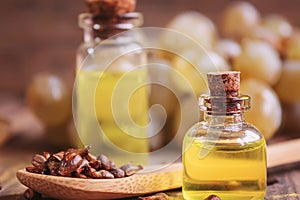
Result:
[153,180]
[147,181]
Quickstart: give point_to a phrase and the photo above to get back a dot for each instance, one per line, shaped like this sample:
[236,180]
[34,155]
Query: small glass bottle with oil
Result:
[111,99]
[224,155]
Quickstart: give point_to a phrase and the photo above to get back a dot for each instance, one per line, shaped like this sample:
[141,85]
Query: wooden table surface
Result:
[27,138]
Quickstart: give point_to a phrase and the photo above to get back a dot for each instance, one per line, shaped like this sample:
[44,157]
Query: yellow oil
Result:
[228,171]
[113,114]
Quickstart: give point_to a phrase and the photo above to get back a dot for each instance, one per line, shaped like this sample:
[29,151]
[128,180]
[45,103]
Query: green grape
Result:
[278,24]
[50,99]
[194,25]
[258,60]
[263,33]
[292,47]
[228,49]
[288,85]
[238,19]
[273,29]
[265,112]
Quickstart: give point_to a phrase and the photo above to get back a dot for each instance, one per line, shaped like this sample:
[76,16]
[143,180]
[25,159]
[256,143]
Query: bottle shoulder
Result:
[111,54]
[242,134]
[109,46]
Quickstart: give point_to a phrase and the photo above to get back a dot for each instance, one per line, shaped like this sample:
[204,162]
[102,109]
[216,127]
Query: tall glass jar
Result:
[111,99]
[224,155]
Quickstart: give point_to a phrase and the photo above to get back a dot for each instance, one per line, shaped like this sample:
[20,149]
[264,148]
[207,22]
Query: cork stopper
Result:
[226,84]
[224,98]
[110,8]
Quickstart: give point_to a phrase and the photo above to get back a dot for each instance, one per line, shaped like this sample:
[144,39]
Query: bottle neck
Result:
[100,28]
[234,119]
[224,111]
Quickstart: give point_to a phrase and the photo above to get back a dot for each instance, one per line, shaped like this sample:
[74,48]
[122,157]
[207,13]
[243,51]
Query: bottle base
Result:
[224,195]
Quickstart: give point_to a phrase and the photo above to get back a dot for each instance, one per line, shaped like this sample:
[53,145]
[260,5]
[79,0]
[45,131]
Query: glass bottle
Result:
[111,101]
[224,155]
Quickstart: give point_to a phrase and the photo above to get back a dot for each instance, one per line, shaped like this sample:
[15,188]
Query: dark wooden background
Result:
[42,35]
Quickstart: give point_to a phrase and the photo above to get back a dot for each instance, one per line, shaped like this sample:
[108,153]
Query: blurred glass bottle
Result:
[111,100]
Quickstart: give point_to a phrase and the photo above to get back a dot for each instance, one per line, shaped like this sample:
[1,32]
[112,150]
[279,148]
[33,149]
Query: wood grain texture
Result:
[166,178]
[285,184]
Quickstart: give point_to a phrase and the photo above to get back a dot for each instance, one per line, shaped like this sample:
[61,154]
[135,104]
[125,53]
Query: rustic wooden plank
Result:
[285,186]
[9,165]
[284,181]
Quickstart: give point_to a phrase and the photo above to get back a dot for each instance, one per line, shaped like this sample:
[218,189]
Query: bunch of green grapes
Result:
[265,48]
[269,62]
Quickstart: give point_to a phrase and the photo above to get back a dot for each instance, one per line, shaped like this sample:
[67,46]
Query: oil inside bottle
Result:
[125,137]
[224,155]
[229,168]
